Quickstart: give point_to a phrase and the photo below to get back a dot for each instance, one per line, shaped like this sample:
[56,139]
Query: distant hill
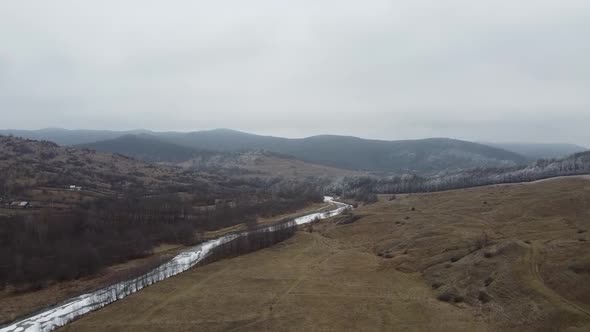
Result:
[264,164]
[251,163]
[420,156]
[28,163]
[147,147]
[540,150]
[68,137]
[427,155]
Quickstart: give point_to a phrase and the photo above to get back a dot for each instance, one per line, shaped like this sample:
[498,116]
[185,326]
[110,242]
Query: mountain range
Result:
[424,156]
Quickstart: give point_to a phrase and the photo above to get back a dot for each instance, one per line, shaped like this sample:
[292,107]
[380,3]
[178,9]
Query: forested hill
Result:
[424,156]
[147,147]
[540,150]
[576,164]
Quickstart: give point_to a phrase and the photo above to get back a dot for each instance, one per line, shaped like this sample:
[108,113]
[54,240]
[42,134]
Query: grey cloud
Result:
[480,70]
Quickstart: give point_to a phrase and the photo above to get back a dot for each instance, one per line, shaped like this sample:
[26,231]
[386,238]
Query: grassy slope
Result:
[376,273]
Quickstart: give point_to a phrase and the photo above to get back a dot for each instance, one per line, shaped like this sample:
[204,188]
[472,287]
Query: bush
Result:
[446,297]
[482,241]
[451,296]
[436,285]
[488,281]
[484,297]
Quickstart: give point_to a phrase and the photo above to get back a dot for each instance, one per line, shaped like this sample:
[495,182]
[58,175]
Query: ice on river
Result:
[60,315]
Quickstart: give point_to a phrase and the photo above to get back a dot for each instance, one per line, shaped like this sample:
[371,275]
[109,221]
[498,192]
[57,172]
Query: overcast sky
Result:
[479,70]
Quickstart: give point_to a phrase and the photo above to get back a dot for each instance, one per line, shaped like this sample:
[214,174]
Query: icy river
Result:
[67,311]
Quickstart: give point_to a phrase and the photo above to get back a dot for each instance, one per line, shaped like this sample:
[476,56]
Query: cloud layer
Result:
[481,70]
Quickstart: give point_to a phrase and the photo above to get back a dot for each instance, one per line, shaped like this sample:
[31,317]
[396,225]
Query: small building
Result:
[225,203]
[75,188]
[20,205]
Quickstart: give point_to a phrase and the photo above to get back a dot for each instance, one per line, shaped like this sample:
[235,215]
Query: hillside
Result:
[540,150]
[576,164]
[426,156]
[68,137]
[147,147]
[487,259]
[422,156]
[26,164]
[87,211]
[249,163]
[264,164]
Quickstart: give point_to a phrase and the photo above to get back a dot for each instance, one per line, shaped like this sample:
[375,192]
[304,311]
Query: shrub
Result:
[446,297]
[488,254]
[436,285]
[488,281]
[580,268]
[484,297]
[482,241]
[450,296]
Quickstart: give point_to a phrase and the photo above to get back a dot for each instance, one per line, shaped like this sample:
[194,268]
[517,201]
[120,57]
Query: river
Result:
[67,311]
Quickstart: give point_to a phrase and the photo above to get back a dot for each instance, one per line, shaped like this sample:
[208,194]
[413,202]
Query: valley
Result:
[490,258]
[416,242]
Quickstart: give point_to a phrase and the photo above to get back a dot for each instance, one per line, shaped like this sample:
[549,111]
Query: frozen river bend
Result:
[60,315]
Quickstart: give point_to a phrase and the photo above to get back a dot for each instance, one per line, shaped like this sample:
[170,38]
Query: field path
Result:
[539,285]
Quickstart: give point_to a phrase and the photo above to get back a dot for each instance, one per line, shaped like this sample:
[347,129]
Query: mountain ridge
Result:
[429,155]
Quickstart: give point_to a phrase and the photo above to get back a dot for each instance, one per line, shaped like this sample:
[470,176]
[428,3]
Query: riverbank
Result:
[73,308]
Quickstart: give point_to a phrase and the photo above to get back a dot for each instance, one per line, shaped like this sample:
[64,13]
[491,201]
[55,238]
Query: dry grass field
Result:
[499,258]
[15,304]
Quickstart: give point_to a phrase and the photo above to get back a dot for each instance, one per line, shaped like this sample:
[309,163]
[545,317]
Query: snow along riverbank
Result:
[62,314]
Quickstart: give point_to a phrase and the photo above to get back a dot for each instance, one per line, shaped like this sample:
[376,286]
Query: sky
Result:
[477,70]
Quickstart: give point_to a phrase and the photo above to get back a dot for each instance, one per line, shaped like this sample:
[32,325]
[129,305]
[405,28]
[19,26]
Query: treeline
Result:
[53,245]
[252,241]
[576,164]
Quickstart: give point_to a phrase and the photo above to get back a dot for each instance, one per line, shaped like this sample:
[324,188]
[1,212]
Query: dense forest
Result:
[63,245]
[362,188]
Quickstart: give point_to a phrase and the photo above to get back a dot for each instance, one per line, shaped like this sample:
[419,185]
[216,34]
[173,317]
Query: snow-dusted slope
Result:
[67,311]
